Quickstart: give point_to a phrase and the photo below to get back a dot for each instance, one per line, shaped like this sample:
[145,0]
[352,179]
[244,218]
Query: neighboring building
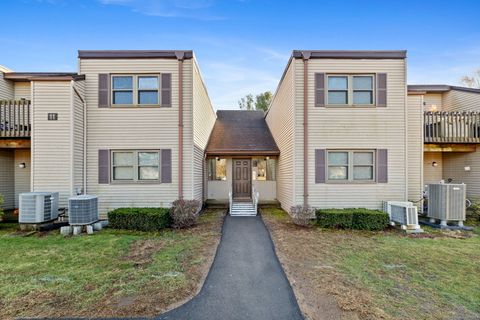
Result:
[452,134]
[137,128]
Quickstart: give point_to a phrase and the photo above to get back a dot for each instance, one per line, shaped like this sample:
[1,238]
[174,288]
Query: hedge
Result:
[358,218]
[141,219]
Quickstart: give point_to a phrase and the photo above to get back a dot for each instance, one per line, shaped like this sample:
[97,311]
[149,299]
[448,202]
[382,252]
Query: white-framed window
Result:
[141,90]
[217,169]
[353,90]
[135,165]
[350,166]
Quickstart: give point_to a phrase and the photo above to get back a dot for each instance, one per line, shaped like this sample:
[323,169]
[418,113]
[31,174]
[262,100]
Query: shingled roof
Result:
[238,132]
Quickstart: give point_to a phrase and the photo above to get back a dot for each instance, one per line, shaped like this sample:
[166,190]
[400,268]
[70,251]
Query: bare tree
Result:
[472,81]
[261,101]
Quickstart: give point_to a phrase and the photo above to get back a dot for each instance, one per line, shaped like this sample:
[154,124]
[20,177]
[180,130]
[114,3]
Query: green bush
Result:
[1,207]
[473,211]
[141,219]
[358,218]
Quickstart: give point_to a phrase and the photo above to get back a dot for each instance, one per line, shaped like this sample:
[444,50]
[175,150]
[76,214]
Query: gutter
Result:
[305,56]
[180,55]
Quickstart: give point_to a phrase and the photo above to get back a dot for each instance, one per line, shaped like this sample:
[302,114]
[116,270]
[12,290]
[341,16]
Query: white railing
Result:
[230,202]
[255,196]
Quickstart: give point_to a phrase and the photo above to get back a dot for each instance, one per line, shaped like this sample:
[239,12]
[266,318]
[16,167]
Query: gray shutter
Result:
[166,94]
[319,165]
[381,90]
[166,165]
[103,90]
[319,89]
[382,166]
[103,166]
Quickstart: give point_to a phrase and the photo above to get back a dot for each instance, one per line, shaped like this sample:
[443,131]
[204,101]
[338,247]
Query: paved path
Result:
[246,280]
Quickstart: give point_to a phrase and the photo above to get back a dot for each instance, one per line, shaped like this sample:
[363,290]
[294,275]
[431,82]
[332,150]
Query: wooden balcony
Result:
[15,119]
[451,127]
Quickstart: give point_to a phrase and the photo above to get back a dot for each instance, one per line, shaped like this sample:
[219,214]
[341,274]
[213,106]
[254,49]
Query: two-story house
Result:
[137,128]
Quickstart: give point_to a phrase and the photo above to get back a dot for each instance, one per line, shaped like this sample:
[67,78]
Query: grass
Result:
[382,274]
[110,273]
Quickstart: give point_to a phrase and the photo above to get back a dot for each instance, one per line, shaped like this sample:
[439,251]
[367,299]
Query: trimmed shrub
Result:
[184,213]
[1,207]
[141,219]
[301,215]
[358,218]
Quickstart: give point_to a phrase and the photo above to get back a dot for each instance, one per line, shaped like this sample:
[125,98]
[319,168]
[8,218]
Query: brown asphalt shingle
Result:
[238,132]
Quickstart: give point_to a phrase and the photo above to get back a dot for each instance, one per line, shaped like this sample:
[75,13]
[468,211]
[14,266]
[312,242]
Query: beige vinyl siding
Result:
[415,147]
[455,100]
[6,87]
[433,99]
[133,128]
[203,121]
[281,121]
[454,164]
[188,150]
[432,174]
[7,185]
[22,175]
[354,128]
[78,135]
[51,140]
[22,90]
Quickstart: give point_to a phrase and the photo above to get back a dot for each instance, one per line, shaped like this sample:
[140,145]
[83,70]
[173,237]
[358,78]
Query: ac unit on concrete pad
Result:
[82,210]
[38,207]
[447,202]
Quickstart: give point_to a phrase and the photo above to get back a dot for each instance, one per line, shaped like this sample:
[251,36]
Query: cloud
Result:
[191,9]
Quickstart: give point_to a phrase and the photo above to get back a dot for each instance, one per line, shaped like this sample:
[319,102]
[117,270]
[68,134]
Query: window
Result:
[135,165]
[263,169]
[355,166]
[217,169]
[350,90]
[135,90]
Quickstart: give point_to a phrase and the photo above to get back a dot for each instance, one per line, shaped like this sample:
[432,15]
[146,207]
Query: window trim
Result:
[135,90]
[136,167]
[351,166]
[350,89]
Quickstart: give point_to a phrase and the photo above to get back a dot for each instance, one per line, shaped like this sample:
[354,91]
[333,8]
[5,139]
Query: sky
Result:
[243,46]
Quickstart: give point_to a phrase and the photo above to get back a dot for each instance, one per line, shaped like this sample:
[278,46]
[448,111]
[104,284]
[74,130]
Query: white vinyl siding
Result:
[6,88]
[431,173]
[51,140]
[78,136]
[415,147]
[353,128]
[203,121]
[22,175]
[281,120]
[7,178]
[22,90]
[454,164]
[456,100]
[433,102]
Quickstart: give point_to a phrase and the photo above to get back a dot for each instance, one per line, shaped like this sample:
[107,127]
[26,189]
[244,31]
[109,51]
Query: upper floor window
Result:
[350,89]
[135,90]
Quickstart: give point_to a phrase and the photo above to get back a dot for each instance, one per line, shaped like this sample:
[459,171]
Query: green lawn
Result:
[385,274]
[109,273]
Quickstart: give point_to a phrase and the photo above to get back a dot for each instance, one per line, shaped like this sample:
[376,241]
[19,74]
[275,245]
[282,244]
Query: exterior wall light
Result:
[433,107]
[22,165]
[434,164]
[467,168]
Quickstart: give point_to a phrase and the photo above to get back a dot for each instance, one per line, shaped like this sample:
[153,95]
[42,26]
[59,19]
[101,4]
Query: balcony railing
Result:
[15,119]
[451,127]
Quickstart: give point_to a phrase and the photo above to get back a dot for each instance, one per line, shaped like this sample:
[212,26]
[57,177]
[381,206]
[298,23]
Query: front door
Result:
[242,176]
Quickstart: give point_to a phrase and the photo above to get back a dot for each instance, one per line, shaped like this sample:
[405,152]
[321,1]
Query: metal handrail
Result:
[230,201]
[255,197]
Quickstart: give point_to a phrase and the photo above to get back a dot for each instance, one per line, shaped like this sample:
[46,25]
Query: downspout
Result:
[180,57]
[305,57]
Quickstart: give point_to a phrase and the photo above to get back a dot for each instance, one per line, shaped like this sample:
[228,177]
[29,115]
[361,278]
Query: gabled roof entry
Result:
[238,132]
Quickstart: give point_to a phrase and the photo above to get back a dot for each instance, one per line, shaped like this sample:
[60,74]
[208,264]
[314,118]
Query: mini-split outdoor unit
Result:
[38,207]
[82,210]
[403,213]
[446,202]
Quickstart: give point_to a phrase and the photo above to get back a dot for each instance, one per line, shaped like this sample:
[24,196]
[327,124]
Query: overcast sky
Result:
[243,45]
